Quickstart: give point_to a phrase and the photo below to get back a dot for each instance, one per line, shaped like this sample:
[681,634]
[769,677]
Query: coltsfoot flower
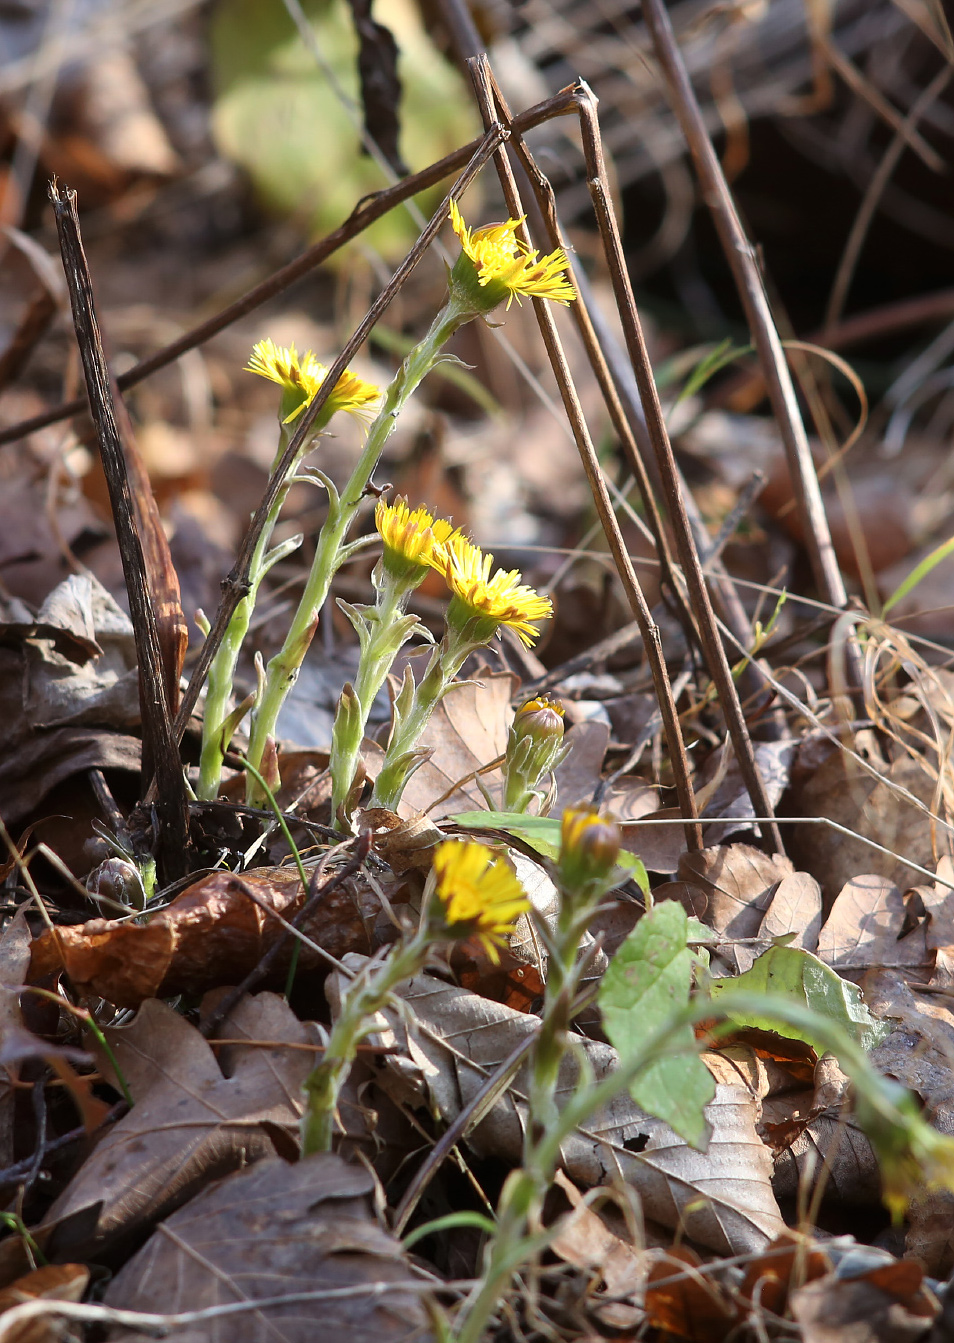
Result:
[480,895]
[504,268]
[589,847]
[498,600]
[534,749]
[300,377]
[412,539]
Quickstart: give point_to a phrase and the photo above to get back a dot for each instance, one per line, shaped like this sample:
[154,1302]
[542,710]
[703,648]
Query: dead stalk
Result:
[634,593]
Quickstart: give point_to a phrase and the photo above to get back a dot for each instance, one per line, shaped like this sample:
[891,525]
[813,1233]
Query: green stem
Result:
[445,662]
[364,997]
[222,671]
[375,663]
[282,670]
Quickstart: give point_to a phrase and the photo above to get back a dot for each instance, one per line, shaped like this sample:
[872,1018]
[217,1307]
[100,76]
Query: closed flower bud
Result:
[534,749]
[589,848]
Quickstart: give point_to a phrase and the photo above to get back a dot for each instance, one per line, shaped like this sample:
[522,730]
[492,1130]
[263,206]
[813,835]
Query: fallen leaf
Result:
[52,1282]
[467,730]
[279,1230]
[583,1239]
[836,1310]
[685,1303]
[863,931]
[195,1118]
[212,934]
[722,1199]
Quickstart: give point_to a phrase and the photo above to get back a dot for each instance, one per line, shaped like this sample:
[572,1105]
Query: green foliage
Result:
[542,834]
[919,573]
[647,983]
[277,115]
[802,977]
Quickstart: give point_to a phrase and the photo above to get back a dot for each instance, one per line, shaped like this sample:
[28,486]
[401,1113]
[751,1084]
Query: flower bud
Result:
[589,848]
[534,749]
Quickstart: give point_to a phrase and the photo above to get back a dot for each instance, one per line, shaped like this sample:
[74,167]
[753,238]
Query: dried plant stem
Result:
[741,259]
[571,403]
[712,646]
[159,743]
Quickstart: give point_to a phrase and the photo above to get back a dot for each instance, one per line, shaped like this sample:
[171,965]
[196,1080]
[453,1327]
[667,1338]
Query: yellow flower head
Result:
[480,895]
[300,378]
[589,847]
[502,599]
[411,537]
[505,268]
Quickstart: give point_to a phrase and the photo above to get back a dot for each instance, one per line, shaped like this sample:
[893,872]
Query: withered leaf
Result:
[56,1282]
[212,934]
[864,930]
[452,1040]
[189,1124]
[278,1230]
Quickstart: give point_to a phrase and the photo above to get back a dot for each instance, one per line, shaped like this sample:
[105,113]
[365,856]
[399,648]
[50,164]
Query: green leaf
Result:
[919,573]
[796,974]
[542,834]
[647,981]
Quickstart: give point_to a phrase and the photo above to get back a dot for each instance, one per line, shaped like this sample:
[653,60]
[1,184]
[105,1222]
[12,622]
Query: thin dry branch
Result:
[652,641]
[160,746]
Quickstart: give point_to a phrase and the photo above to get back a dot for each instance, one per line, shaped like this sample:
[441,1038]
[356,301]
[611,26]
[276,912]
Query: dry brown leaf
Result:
[863,931]
[660,847]
[52,1282]
[796,908]
[14,961]
[731,802]
[212,934]
[858,1310]
[273,1231]
[790,1261]
[584,1239]
[189,1124]
[838,788]
[451,1040]
[687,1304]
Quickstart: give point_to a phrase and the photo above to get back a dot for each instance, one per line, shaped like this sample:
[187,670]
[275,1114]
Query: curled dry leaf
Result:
[887,1304]
[583,1239]
[190,1122]
[52,1282]
[867,929]
[273,1231]
[451,1041]
[212,934]
[839,789]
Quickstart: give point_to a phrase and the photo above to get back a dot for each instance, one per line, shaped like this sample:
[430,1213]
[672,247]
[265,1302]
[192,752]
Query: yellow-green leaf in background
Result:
[278,115]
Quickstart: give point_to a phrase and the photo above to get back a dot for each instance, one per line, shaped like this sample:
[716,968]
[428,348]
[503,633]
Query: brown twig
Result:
[159,743]
[362,217]
[235,586]
[712,646]
[648,629]
[741,259]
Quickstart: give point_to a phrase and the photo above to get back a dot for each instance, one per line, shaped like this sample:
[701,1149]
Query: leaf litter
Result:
[151,1116]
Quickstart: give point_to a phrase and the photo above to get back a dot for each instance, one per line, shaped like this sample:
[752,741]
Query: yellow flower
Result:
[502,599]
[589,848]
[301,378]
[507,269]
[478,892]
[411,537]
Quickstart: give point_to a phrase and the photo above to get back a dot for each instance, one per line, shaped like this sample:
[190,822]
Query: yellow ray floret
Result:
[501,259]
[305,374]
[478,892]
[502,598]
[413,536]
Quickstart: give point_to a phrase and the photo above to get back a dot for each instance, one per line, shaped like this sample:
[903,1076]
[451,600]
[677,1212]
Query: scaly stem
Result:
[444,664]
[282,670]
[222,670]
[366,995]
[377,657]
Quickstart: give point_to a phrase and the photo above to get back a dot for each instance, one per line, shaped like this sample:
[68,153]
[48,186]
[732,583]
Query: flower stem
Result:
[282,670]
[444,664]
[367,993]
[222,671]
